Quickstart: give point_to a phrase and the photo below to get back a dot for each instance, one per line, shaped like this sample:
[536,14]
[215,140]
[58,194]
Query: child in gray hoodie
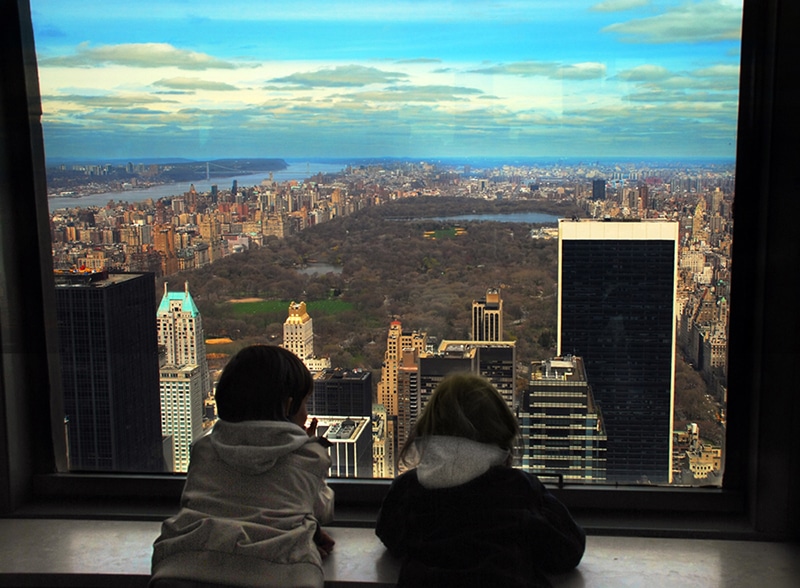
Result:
[255,492]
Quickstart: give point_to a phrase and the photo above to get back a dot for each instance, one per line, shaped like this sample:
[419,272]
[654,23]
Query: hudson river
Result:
[295,171]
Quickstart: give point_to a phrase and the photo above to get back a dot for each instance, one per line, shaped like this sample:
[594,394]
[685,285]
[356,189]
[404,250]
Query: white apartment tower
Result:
[298,331]
[184,379]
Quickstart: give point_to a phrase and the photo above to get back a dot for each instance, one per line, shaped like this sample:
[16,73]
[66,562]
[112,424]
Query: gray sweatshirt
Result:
[254,496]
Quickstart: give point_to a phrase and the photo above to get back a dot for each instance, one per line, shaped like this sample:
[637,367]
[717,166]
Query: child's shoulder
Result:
[312,456]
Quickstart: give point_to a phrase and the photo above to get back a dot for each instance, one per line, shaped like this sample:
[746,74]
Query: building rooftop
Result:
[86,278]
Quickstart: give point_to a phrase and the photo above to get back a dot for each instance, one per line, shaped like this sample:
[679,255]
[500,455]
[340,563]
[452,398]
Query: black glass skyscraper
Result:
[617,310]
[109,363]
[339,392]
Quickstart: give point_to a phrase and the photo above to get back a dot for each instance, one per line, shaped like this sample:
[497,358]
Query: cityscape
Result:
[395,191]
[570,428]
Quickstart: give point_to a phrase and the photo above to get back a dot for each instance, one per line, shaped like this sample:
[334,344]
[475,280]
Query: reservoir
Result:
[511,217]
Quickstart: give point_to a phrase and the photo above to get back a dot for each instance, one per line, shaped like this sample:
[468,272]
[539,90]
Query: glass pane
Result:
[537,191]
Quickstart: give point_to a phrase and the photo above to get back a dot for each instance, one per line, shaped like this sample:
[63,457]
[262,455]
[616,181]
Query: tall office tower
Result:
[350,445]
[644,197]
[494,360]
[339,392]
[109,365]
[164,243]
[561,429]
[184,377]
[408,398]
[396,342]
[598,189]
[616,310]
[487,317]
[383,448]
[699,232]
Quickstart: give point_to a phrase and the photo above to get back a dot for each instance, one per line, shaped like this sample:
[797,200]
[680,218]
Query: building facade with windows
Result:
[184,379]
[350,446]
[616,310]
[298,331]
[342,392]
[561,428]
[487,317]
[109,369]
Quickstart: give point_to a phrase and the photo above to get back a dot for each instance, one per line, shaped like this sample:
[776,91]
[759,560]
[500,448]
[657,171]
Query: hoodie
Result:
[255,494]
[463,518]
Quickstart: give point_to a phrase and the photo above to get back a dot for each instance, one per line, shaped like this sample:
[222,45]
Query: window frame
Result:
[761,487]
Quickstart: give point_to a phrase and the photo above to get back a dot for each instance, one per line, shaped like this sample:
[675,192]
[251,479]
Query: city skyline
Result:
[409,79]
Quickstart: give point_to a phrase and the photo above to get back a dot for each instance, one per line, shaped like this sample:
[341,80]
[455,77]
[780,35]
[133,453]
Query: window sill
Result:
[90,553]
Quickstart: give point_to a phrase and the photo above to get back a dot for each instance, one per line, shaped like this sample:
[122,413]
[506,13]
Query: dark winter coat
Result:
[502,528]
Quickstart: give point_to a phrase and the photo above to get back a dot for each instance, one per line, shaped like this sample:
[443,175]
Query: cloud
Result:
[103,101]
[645,73]
[655,78]
[582,71]
[416,94]
[618,5]
[672,96]
[556,71]
[342,76]
[136,55]
[193,84]
[420,60]
[719,71]
[708,20]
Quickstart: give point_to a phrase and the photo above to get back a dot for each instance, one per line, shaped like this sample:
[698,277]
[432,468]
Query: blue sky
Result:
[413,78]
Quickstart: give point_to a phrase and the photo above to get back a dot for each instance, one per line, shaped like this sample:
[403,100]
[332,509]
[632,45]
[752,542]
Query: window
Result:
[762,185]
[469,89]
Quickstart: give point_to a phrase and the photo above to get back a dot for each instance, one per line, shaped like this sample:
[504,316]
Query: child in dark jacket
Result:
[463,517]
[255,493]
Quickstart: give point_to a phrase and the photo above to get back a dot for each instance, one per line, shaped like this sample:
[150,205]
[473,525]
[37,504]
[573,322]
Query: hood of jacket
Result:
[253,447]
[451,461]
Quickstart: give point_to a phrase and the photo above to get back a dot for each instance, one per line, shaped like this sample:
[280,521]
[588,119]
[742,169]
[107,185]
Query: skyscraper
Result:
[298,331]
[616,309]
[109,365]
[350,446]
[598,189]
[396,341]
[339,392]
[561,428]
[184,377]
[487,317]
[494,360]
[298,337]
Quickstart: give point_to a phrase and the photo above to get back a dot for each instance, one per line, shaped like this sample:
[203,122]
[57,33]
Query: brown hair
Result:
[469,406]
[258,381]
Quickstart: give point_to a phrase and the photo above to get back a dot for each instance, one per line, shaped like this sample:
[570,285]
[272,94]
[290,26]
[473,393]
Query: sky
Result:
[205,79]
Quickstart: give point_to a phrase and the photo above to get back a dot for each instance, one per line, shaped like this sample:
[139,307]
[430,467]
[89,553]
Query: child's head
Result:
[466,405]
[263,383]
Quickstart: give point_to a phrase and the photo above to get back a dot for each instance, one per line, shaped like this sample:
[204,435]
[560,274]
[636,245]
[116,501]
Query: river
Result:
[295,171]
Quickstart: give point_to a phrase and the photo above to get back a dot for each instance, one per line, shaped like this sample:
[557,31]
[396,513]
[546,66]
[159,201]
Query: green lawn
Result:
[440,234]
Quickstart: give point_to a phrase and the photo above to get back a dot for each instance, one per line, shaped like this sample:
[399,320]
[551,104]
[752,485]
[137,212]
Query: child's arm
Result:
[324,542]
[390,527]
[323,506]
[559,542]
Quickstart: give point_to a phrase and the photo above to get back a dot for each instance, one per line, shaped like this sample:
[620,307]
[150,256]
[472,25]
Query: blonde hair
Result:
[465,405]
